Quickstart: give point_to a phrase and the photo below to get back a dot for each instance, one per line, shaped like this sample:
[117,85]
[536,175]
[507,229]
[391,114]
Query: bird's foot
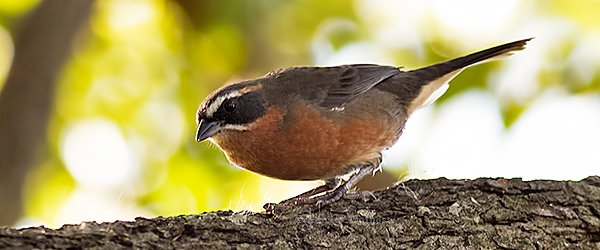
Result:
[360,195]
[336,195]
[328,198]
[339,192]
[306,197]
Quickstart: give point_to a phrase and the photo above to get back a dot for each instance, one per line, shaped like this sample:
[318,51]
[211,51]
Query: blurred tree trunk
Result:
[418,214]
[42,46]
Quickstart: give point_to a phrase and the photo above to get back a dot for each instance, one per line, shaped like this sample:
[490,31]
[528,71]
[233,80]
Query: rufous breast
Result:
[307,145]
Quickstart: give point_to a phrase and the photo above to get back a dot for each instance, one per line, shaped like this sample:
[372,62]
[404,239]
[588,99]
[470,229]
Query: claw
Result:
[362,195]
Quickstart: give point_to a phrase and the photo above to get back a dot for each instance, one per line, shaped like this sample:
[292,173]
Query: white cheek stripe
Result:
[234,127]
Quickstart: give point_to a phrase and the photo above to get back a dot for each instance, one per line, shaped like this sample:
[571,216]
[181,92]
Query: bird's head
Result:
[231,108]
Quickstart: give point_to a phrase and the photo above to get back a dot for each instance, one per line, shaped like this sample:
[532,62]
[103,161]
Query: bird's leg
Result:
[329,185]
[342,190]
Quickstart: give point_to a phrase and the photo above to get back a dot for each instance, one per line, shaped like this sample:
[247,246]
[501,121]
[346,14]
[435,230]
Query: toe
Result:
[362,195]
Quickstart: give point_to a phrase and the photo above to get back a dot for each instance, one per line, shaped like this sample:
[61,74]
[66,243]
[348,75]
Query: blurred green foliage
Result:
[139,57]
[11,9]
[146,65]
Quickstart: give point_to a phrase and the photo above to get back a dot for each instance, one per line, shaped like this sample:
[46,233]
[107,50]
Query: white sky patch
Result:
[321,47]
[412,139]
[479,21]
[93,204]
[462,140]
[97,155]
[128,14]
[405,23]
[518,79]
[584,61]
[394,23]
[359,52]
[159,130]
[558,137]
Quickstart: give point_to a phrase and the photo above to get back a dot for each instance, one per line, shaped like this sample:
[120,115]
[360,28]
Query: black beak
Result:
[206,130]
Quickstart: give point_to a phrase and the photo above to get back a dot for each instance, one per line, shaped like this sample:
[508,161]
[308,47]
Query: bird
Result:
[325,123]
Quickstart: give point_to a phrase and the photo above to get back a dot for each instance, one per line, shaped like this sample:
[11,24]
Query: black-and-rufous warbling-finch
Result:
[322,123]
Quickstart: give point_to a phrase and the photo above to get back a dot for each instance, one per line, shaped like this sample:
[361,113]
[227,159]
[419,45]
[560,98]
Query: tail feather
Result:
[435,76]
[438,70]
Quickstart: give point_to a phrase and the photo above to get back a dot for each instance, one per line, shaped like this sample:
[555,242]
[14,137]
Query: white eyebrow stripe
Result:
[214,106]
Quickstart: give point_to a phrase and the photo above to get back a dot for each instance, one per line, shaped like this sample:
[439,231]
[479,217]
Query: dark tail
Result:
[431,78]
[436,71]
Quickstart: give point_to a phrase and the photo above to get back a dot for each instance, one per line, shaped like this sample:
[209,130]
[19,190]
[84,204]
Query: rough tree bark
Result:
[41,48]
[427,214]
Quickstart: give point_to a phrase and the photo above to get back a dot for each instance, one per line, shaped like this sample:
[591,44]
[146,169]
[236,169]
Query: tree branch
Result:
[418,214]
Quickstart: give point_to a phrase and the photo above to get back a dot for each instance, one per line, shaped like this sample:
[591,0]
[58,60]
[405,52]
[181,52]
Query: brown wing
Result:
[354,80]
[328,87]
[332,87]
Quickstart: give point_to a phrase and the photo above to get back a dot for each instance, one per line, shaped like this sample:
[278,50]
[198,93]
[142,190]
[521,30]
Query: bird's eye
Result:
[229,107]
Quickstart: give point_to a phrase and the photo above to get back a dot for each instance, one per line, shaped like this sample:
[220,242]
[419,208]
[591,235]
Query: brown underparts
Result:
[309,147]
